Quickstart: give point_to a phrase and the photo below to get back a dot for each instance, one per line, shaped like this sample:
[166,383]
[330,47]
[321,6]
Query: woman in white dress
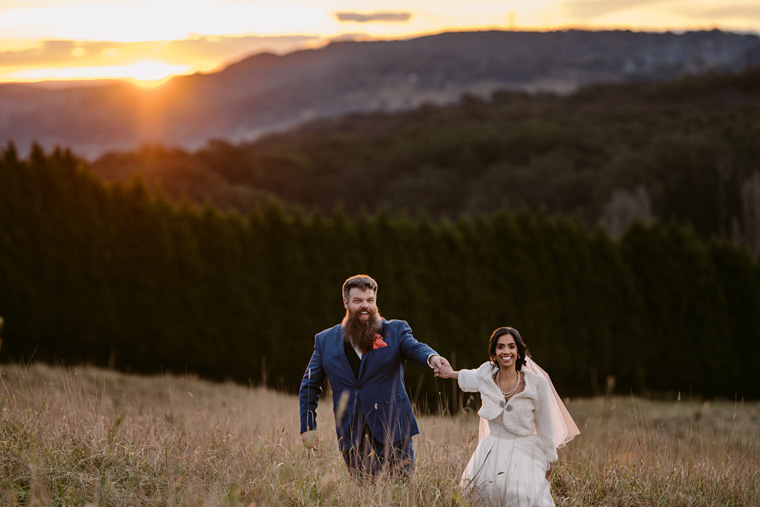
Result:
[513,460]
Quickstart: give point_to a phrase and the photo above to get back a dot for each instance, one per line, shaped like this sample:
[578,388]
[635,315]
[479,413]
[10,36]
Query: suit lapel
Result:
[353,359]
[342,353]
[366,356]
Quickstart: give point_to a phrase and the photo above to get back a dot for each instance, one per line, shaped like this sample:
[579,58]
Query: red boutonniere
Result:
[379,342]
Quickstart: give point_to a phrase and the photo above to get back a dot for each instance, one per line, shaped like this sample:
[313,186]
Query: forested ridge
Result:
[117,275]
[267,92]
[685,150]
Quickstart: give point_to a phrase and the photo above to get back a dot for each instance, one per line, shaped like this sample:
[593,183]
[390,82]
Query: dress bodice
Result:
[497,428]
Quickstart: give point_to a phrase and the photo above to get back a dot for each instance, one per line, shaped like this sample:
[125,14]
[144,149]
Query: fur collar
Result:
[493,398]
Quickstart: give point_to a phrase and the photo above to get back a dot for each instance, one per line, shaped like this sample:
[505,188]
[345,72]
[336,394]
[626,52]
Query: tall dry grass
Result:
[79,436]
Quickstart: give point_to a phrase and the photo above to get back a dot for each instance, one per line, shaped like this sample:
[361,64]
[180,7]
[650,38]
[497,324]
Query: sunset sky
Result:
[150,39]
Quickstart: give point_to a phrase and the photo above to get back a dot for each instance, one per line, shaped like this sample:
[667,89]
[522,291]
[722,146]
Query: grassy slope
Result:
[79,435]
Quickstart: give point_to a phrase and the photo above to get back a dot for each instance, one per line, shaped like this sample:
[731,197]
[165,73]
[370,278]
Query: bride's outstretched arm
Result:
[467,379]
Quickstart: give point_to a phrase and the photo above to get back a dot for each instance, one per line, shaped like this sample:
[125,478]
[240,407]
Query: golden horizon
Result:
[144,73]
[56,40]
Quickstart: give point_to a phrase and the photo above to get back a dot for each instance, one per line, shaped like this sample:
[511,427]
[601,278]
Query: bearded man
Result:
[363,358]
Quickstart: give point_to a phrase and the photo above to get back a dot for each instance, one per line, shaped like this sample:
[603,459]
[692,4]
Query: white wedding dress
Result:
[507,469]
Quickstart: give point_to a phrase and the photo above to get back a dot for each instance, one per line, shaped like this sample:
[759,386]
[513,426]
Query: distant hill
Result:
[684,149]
[266,92]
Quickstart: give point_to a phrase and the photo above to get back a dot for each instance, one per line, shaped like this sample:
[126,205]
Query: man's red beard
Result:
[361,333]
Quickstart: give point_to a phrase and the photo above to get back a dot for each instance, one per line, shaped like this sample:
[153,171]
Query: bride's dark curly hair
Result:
[522,349]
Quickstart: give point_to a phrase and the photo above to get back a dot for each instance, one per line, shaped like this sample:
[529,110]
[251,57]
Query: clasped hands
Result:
[441,367]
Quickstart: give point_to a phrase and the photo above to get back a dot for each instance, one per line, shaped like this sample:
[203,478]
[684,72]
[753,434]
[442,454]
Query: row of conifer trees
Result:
[114,276]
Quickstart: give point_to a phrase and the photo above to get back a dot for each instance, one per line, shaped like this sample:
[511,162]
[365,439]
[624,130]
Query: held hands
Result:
[441,367]
[310,439]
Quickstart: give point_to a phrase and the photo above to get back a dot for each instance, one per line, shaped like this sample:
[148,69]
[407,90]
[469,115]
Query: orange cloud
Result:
[200,54]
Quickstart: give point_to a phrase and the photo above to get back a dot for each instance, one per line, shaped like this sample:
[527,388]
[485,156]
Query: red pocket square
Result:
[378,343]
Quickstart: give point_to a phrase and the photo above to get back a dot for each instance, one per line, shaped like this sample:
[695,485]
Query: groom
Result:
[363,358]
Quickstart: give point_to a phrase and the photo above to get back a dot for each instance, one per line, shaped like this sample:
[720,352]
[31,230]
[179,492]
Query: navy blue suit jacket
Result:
[378,396]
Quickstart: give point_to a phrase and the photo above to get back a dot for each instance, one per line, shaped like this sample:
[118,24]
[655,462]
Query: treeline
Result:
[684,151]
[111,275]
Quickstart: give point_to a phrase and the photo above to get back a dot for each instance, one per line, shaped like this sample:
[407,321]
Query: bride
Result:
[526,422]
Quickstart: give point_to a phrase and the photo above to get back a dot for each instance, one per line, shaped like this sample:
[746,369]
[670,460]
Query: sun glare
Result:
[146,73]
[154,73]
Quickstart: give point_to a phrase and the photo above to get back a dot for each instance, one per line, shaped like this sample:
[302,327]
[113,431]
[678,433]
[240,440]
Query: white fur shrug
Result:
[526,413]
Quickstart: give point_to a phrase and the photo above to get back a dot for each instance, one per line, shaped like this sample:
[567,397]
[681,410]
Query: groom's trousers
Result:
[369,457]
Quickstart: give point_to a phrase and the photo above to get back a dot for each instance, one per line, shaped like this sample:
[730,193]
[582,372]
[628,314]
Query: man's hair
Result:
[362,282]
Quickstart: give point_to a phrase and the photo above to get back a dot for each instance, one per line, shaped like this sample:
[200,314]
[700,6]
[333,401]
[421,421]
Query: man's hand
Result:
[310,439]
[441,366]
[549,472]
[445,372]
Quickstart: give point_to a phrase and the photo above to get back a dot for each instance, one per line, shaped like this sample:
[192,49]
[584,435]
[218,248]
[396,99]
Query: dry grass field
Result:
[85,436]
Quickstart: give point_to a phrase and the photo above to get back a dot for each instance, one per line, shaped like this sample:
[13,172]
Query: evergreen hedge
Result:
[116,276]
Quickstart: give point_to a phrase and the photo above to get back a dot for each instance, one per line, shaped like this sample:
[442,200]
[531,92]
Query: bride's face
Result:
[506,351]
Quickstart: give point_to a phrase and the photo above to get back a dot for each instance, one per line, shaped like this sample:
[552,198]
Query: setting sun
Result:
[153,73]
